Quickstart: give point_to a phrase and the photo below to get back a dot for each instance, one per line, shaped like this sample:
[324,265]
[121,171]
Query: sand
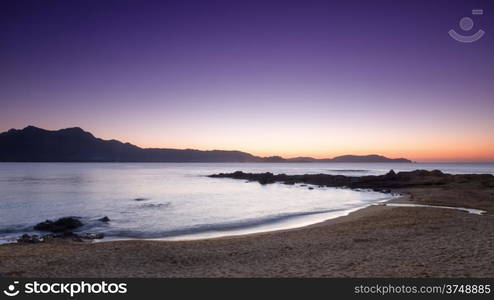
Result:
[377,241]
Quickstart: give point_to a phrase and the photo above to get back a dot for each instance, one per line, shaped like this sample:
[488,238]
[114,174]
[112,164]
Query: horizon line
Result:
[262,155]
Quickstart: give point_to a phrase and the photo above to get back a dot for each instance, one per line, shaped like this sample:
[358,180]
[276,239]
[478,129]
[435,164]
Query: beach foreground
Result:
[377,241]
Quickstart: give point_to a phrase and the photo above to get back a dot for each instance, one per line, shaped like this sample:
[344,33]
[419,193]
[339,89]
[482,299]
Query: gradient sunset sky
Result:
[289,78]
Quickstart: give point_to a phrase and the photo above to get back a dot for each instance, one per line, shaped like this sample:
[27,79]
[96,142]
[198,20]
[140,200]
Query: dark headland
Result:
[33,144]
[391,180]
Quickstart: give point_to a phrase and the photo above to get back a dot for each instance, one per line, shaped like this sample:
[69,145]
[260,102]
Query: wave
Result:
[10,234]
[15,229]
[225,226]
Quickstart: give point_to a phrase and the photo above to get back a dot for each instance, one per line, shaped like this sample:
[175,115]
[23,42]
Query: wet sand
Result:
[377,241]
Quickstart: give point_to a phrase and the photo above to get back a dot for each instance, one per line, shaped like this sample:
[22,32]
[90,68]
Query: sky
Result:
[289,78]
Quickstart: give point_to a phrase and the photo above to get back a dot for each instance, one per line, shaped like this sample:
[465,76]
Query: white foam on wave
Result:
[469,210]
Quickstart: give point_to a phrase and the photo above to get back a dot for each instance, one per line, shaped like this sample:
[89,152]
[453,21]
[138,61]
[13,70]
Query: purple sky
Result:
[315,78]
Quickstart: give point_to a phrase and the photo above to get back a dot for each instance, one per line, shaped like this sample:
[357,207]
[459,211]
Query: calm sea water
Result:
[178,201]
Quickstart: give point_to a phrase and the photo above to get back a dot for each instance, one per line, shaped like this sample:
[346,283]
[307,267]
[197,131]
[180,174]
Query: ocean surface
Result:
[177,201]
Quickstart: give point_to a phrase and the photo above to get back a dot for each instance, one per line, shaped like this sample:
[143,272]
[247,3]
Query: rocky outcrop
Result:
[60,225]
[61,229]
[381,183]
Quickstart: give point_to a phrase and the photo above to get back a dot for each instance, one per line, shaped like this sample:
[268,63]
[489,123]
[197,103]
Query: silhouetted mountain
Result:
[77,145]
[367,158]
[33,144]
[274,159]
[303,159]
[351,159]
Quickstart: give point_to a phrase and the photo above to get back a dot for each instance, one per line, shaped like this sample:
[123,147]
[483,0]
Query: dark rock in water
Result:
[29,239]
[311,188]
[60,225]
[141,199]
[104,219]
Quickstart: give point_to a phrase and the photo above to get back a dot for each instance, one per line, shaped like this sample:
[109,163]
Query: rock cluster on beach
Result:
[61,229]
[72,236]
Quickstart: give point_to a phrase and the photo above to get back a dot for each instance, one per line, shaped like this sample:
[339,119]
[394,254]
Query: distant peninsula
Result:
[33,144]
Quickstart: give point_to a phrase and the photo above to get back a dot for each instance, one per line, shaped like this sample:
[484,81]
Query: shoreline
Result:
[291,223]
[249,232]
[376,241]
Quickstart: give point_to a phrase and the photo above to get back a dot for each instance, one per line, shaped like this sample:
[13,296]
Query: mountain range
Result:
[33,144]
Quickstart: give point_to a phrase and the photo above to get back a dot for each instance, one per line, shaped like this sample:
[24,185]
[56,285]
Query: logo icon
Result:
[466,24]
[11,291]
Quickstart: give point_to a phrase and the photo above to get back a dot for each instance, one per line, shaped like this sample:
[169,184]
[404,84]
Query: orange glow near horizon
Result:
[471,149]
[414,143]
[432,135]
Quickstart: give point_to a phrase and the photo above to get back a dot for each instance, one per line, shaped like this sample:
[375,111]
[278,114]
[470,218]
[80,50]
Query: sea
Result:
[178,201]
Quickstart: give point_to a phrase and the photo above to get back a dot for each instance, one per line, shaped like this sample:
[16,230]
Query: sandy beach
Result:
[377,241]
